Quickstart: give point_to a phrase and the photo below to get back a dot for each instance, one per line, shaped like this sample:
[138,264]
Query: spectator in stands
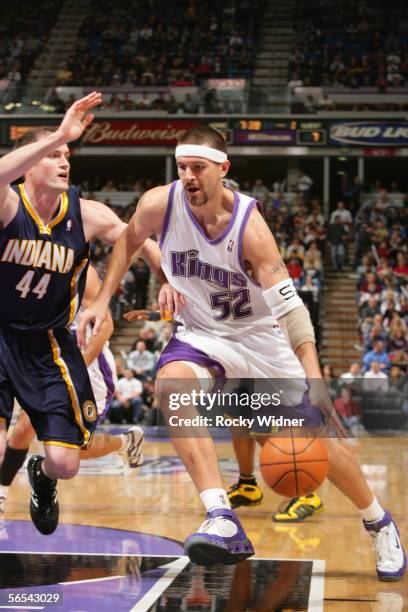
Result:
[304,184]
[190,105]
[141,361]
[165,335]
[398,342]
[310,105]
[310,285]
[375,379]
[401,269]
[352,375]
[295,249]
[366,265]
[379,355]
[259,189]
[150,408]
[330,381]
[313,259]
[64,75]
[295,270]
[397,380]
[127,406]
[150,338]
[342,212]
[141,275]
[325,103]
[337,236]
[349,411]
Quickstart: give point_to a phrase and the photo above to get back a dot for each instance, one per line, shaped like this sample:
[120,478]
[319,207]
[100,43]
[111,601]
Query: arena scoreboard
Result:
[258,131]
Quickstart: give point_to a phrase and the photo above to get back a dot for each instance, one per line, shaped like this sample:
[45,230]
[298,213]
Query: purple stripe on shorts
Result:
[177,350]
[200,229]
[248,211]
[108,380]
[168,213]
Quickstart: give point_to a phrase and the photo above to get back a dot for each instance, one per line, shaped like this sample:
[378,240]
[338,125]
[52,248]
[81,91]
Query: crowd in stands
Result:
[351,44]
[134,400]
[315,104]
[380,232]
[205,100]
[163,42]
[22,38]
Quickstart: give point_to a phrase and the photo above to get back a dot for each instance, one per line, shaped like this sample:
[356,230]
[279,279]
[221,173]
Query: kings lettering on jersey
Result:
[189,265]
[38,254]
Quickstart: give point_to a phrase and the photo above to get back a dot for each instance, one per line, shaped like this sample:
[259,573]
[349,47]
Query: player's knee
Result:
[174,371]
[66,469]
[63,465]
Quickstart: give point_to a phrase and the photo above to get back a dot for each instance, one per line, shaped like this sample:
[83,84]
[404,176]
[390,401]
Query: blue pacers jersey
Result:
[42,267]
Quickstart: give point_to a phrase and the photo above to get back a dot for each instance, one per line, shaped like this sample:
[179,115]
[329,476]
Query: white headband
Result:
[192,150]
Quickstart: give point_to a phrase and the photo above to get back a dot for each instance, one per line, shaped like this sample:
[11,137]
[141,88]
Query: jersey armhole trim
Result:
[168,213]
[252,204]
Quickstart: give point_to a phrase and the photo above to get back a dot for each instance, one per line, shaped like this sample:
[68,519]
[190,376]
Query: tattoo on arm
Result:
[279,267]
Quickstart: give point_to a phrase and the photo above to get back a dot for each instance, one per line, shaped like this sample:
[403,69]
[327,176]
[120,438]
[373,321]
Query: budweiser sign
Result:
[155,132]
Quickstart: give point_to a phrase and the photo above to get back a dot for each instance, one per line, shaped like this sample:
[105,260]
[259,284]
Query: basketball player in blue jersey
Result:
[102,373]
[219,253]
[44,254]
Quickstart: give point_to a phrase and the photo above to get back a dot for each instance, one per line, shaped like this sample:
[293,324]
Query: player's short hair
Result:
[204,135]
[33,135]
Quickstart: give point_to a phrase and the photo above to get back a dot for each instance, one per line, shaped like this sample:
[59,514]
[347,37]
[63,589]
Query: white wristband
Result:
[282,298]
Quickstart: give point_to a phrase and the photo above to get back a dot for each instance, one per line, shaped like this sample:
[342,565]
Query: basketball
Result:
[293,467]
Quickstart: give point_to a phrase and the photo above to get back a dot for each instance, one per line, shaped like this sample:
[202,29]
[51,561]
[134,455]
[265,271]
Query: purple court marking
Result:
[119,593]
[21,536]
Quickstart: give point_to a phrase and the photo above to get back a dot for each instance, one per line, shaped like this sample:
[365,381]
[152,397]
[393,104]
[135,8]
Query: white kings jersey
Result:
[221,298]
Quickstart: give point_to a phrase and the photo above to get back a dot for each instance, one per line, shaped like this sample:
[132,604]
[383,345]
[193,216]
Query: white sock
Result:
[215,498]
[3,490]
[373,513]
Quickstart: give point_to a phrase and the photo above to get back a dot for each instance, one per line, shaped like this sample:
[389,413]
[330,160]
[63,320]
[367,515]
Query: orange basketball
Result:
[294,466]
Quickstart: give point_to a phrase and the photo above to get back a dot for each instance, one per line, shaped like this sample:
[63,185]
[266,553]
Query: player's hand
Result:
[319,396]
[96,314]
[78,117]
[137,315]
[171,302]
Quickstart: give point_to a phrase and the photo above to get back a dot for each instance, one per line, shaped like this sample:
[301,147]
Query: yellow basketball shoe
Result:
[245,492]
[298,509]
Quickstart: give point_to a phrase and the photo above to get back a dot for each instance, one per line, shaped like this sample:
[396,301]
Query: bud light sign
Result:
[371,133]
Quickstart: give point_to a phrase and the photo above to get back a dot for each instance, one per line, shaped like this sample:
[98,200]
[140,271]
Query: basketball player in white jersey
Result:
[102,373]
[219,253]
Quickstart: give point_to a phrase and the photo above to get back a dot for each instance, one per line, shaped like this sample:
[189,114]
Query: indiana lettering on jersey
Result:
[188,264]
[39,254]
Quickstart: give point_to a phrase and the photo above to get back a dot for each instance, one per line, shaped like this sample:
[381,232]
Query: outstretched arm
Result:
[96,343]
[18,162]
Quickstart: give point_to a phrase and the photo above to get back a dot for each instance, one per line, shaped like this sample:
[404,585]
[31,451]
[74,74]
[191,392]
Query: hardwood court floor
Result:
[159,499]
